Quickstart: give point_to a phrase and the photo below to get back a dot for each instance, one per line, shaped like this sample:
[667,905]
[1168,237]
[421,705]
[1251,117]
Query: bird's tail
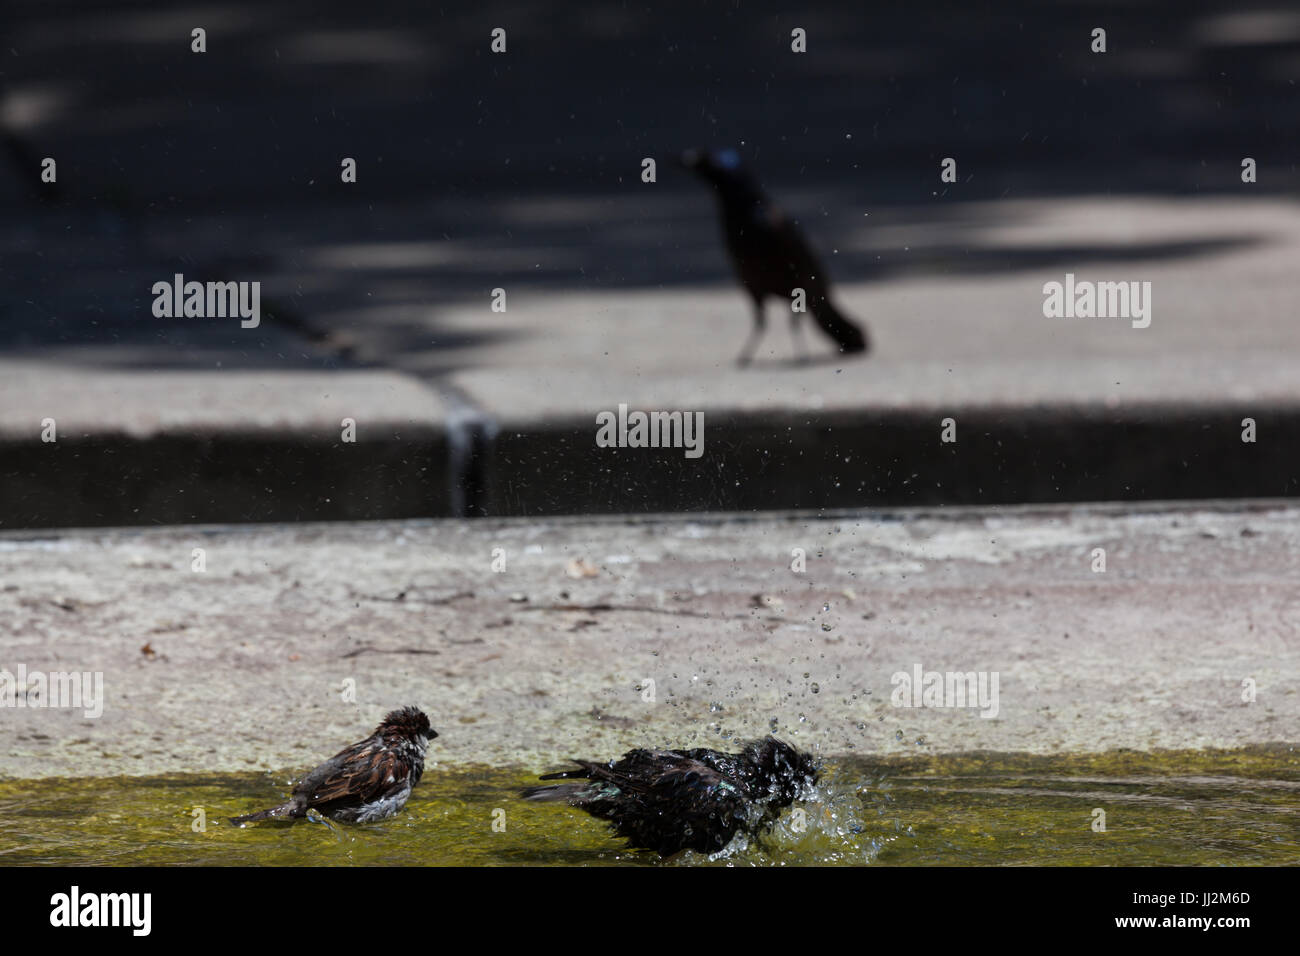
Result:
[281,811]
[839,327]
[555,793]
[573,792]
[583,770]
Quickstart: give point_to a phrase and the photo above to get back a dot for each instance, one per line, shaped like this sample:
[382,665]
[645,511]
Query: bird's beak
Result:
[432,733]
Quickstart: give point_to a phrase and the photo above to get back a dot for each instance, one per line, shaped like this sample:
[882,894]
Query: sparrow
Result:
[369,780]
[674,800]
[769,253]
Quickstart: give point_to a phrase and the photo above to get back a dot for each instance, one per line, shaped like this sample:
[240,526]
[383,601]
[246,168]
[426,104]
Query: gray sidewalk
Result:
[244,665]
[196,420]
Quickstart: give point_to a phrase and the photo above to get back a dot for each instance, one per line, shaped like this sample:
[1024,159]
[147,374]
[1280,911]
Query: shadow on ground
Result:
[479,170]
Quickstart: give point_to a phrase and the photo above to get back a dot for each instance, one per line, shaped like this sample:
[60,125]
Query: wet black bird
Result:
[674,800]
[368,781]
[768,251]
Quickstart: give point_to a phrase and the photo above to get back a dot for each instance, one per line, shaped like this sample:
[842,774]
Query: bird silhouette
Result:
[769,253]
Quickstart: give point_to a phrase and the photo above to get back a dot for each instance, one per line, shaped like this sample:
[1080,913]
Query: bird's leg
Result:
[756,333]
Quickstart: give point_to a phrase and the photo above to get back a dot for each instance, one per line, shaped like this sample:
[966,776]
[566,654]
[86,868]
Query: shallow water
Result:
[1206,808]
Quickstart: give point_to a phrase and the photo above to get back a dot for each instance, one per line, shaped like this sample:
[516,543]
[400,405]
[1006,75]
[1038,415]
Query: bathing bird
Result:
[674,800]
[367,781]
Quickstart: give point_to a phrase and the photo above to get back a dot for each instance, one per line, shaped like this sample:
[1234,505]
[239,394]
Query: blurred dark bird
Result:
[675,800]
[768,252]
[369,780]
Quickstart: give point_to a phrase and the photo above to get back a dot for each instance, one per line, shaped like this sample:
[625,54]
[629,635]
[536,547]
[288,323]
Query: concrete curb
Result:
[452,463]
[894,457]
[187,447]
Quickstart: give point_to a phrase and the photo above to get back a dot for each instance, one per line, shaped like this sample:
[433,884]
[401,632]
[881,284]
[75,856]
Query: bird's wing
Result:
[363,773]
[692,775]
[697,792]
[798,258]
[637,770]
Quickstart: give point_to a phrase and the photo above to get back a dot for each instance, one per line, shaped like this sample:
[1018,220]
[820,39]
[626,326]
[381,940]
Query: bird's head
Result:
[711,162]
[785,771]
[407,722]
[722,168]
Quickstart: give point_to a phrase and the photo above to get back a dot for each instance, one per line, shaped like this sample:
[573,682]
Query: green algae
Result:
[1176,807]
